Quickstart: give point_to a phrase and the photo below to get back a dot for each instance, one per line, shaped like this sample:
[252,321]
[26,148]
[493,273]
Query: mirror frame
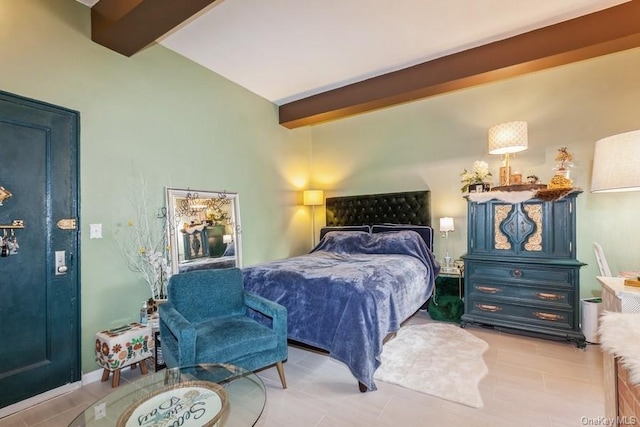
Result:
[173,229]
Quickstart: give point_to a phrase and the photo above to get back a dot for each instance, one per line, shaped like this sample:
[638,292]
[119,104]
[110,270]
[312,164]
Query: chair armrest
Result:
[182,330]
[275,311]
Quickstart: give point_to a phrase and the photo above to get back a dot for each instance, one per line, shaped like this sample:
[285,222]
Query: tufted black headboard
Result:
[412,207]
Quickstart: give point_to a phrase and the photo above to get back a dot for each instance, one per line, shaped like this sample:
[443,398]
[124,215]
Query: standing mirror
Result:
[203,230]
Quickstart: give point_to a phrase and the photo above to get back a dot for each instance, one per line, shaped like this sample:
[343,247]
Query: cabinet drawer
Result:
[541,316]
[562,298]
[520,274]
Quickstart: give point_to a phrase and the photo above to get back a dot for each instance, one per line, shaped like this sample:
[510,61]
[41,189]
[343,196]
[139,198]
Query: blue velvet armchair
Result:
[205,320]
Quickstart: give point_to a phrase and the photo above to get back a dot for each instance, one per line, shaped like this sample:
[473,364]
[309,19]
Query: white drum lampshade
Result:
[510,137]
[616,166]
[507,138]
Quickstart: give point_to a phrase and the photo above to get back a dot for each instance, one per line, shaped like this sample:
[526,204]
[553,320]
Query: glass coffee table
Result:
[202,395]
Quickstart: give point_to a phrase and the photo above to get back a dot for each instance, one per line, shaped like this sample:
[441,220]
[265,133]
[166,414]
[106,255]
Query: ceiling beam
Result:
[600,33]
[128,26]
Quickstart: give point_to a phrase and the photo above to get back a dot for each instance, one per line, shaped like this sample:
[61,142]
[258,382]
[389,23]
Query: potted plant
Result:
[476,180]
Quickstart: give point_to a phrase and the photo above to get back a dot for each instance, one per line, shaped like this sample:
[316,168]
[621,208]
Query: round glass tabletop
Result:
[202,395]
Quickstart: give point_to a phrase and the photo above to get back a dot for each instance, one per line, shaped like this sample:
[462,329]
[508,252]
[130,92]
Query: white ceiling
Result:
[285,50]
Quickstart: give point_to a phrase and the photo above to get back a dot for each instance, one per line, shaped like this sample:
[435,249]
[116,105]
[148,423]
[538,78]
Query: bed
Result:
[364,278]
[226,260]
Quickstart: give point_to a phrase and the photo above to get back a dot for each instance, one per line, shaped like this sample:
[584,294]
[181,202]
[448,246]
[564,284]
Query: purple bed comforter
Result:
[350,292]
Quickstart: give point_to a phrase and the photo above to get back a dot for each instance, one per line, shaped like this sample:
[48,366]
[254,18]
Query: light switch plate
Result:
[95,231]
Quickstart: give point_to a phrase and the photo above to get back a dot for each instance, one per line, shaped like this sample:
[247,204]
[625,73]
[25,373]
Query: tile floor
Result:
[531,382]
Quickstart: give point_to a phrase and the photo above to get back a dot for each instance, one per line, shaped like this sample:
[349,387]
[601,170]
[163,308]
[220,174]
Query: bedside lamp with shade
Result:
[616,168]
[313,198]
[616,163]
[446,225]
[507,138]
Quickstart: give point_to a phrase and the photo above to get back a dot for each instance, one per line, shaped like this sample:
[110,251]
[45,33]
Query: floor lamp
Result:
[615,167]
[313,198]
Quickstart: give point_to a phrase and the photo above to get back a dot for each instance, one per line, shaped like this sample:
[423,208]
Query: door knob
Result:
[62,269]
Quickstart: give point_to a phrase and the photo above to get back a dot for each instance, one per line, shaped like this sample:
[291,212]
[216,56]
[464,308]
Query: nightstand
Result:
[447,300]
[453,272]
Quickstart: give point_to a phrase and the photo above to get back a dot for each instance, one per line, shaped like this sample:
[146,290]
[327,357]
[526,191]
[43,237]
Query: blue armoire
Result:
[521,271]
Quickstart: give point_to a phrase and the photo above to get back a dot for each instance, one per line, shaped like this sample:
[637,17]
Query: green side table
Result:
[447,302]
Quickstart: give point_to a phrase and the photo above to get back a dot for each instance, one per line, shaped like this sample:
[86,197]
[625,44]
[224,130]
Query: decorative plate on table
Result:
[188,404]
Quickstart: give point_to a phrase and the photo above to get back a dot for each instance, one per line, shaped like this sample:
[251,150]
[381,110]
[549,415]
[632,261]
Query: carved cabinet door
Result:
[531,229]
[518,228]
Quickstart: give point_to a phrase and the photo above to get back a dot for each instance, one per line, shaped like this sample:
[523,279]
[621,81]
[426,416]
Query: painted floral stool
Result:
[118,348]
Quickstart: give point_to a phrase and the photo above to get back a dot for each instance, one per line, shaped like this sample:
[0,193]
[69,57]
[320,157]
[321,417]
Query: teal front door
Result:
[39,266]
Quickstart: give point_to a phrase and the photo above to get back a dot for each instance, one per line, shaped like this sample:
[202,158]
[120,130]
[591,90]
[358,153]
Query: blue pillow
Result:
[424,231]
[325,230]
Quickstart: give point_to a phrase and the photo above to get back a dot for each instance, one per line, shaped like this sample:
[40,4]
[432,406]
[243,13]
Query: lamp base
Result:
[505,174]
[447,261]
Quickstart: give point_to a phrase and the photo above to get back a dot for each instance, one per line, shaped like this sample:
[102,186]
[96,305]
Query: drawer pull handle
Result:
[517,273]
[548,316]
[488,289]
[491,308]
[549,297]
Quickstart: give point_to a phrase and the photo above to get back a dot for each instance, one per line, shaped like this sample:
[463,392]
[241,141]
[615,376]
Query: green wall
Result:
[162,116]
[178,124]
[428,143]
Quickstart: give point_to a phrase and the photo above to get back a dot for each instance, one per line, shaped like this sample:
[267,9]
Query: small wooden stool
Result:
[128,345]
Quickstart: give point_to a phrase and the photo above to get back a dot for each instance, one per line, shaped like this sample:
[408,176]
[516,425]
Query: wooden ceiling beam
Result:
[127,26]
[600,33]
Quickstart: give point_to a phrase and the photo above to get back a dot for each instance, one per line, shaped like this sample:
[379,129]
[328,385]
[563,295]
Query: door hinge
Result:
[67,224]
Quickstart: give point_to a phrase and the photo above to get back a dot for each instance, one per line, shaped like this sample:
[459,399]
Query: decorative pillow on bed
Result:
[400,242]
[325,230]
[424,231]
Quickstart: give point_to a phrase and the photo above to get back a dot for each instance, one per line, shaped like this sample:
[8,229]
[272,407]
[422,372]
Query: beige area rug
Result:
[439,359]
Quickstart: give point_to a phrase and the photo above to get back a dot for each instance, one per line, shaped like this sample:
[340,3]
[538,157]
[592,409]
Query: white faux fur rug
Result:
[620,335]
[439,359]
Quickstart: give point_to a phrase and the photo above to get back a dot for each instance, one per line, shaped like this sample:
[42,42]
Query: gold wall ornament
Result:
[501,212]
[4,194]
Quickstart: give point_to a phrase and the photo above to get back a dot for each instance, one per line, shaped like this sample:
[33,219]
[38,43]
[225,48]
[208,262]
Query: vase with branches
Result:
[143,242]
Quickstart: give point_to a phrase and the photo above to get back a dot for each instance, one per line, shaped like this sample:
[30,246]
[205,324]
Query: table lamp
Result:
[446,225]
[615,163]
[507,138]
[616,169]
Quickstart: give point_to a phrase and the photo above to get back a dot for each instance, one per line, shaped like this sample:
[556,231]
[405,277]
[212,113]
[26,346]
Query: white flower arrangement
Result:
[479,174]
[144,244]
